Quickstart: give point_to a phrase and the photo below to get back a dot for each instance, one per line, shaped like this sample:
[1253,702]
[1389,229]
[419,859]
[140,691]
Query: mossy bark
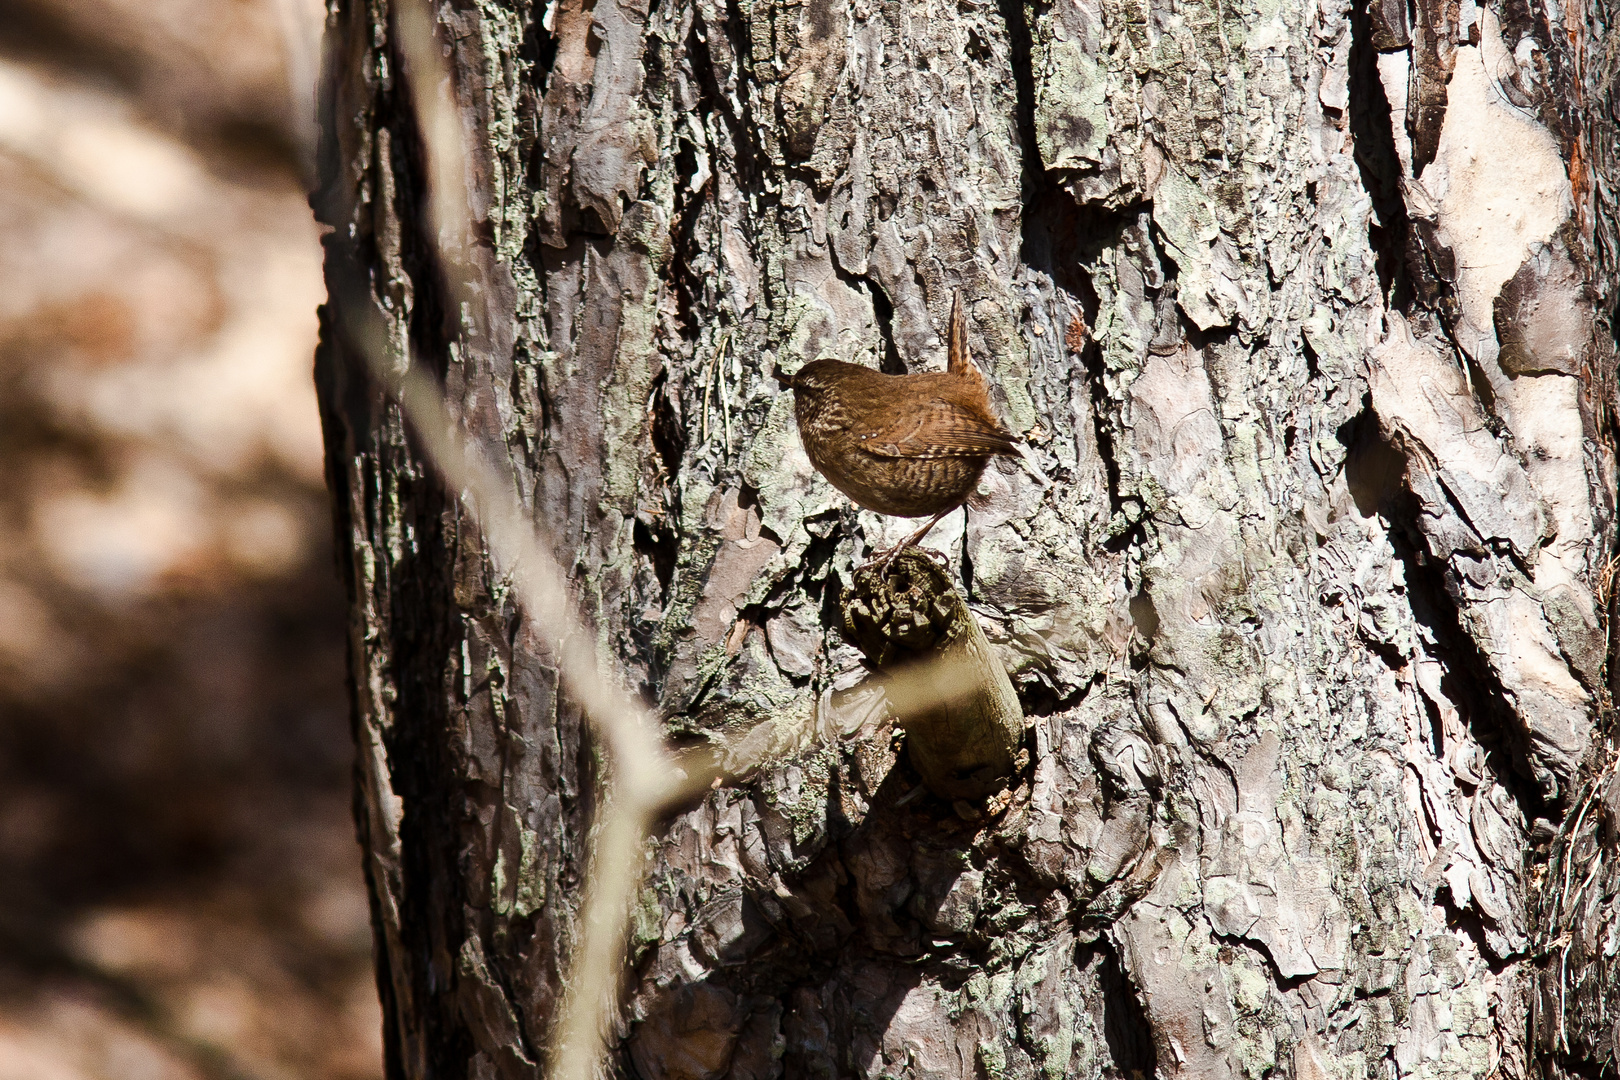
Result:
[1304,309]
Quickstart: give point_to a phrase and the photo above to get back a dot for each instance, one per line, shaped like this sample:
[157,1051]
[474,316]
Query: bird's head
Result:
[810,380]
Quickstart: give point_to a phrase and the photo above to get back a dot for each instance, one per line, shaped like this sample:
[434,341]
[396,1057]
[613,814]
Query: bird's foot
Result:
[882,560]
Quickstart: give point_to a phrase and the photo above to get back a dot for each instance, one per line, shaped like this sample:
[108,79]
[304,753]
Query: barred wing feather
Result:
[941,429]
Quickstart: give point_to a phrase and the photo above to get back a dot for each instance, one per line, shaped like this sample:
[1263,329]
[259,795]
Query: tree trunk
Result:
[1305,312]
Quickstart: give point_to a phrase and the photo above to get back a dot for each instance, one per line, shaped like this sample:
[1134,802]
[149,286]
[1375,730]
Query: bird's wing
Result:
[939,428]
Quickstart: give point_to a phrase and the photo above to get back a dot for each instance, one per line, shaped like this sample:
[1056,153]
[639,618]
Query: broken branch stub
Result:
[962,719]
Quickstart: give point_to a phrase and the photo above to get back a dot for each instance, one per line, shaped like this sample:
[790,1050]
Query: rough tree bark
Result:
[1310,627]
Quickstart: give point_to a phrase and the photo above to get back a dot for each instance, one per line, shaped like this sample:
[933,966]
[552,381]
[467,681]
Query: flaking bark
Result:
[1311,625]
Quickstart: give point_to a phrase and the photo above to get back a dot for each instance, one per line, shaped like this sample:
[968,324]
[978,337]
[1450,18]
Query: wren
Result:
[903,445]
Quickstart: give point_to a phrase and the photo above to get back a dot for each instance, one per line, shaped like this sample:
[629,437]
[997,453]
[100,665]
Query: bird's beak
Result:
[782,378]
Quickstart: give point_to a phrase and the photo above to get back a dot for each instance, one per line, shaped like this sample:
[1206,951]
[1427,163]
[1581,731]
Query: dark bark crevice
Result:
[1375,472]
[1372,126]
[890,362]
[1126,1029]
[1015,15]
[424,776]
[747,156]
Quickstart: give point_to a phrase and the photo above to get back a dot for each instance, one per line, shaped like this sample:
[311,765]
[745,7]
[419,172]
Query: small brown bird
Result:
[905,445]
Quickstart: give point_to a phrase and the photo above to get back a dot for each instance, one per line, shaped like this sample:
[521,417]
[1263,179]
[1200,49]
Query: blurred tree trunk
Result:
[1310,627]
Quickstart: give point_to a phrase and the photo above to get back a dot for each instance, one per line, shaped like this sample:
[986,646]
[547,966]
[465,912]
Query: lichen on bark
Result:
[1307,623]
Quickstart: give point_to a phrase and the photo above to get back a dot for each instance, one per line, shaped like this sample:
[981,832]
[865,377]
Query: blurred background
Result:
[180,893]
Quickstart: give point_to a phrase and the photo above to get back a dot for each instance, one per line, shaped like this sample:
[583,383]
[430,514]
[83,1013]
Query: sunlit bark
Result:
[1304,311]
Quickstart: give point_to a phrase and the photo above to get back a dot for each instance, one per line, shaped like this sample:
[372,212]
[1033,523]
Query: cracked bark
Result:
[1310,629]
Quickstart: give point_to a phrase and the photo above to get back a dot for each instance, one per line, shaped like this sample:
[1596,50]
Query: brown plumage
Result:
[905,445]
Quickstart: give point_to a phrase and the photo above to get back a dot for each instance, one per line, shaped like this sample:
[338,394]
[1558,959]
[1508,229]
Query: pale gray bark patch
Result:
[1483,517]
[1255,888]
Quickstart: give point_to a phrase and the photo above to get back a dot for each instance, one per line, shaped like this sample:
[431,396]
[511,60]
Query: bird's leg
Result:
[883,559]
[922,532]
